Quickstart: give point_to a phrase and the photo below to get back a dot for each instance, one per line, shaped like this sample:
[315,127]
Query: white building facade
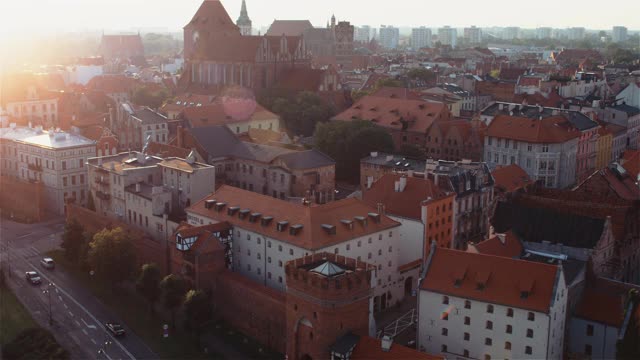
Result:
[420,38]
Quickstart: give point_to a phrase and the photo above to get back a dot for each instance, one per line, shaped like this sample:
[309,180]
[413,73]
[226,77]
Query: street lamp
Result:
[48,292]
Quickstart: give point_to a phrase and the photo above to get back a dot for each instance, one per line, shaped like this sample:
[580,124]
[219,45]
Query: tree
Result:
[197,311]
[148,284]
[146,97]
[412,151]
[349,141]
[173,290]
[300,113]
[388,82]
[34,343]
[421,74]
[112,256]
[73,241]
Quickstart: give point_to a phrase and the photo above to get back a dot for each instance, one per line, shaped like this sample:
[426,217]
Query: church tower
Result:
[244,23]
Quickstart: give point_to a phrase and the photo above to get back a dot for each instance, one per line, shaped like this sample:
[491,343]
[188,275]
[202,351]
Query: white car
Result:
[48,263]
[33,277]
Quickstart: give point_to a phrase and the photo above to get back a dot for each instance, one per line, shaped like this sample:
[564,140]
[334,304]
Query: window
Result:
[443,348]
[466,336]
[81,179]
[509,312]
[64,165]
[467,320]
[528,350]
[509,329]
[529,147]
[73,179]
[445,300]
[466,353]
[588,350]
[81,162]
[531,316]
[488,341]
[291,252]
[589,330]
[445,332]
[490,309]
[529,333]
[545,148]
[280,279]
[280,263]
[489,325]
[507,345]
[64,181]
[467,304]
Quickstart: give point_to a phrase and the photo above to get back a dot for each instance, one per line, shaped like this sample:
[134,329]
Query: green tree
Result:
[146,97]
[412,151]
[173,290]
[112,256]
[34,343]
[421,74]
[349,141]
[300,113]
[389,82]
[73,241]
[197,312]
[148,284]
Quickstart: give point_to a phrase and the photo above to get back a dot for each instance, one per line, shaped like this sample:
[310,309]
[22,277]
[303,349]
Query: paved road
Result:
[78,316]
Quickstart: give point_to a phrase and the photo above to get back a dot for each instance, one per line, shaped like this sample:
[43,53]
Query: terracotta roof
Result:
[301,79]
[552,100]
[212,16]
[165,150]
[369,348]
[632,162]
[505,245]
[391,113]
[224,112]
[225,47]
[603,301]
[511,178]
[312,235]
[509,282]
[182,101]
[407,203]
[397,93]
[289,27]
[553,129]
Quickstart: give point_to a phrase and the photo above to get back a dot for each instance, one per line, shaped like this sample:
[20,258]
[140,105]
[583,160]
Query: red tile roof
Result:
[391,113]
[223,112]
[553,129]
[511,178]
[505,245]
[631,162]
[312,235]
[504,279]
[288,27]
[301,79]
[369,348]
[397,93]
[407,203]
[603,301]
[212,16]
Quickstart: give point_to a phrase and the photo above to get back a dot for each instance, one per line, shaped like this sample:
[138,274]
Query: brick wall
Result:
[21,198]
[253,309]
[148,250]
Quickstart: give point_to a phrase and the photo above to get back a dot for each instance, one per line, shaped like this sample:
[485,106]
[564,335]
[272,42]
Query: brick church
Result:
[219,53]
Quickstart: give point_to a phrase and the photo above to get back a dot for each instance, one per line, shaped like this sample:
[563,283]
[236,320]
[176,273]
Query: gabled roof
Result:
[397,93]
[604,301]
[226,112]
[301,79]
[553,129]
[212,16]
[505,245]
[288,27]
[511,178]
[631,162]
[492,279]
[307,220]
[309,159]
[406,203]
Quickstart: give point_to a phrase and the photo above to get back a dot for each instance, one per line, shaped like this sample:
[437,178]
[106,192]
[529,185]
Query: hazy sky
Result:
[48,15]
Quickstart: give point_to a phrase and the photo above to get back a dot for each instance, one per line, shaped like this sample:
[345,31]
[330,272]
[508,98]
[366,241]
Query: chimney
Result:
[389,158]
[380,208]
[386,343]
[180,136]
[369,181]
[137,187]
[374,154]
[396,186]
[403,183]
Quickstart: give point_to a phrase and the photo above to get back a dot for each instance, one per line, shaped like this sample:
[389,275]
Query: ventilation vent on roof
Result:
[220,206]
[329,229]
[266,220]
[524,294]
[232,210]
[243,213]
[254,217]
[348,223]
[362,220]
[295,229]
[208,204]
[480,286]
[282,226]
[375,217]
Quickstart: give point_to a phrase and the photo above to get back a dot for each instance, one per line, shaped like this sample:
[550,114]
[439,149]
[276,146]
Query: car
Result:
[115,328]
[48,263]
[33,277]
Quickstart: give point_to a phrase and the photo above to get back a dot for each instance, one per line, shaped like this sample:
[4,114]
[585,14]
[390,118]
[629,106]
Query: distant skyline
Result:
[172,15]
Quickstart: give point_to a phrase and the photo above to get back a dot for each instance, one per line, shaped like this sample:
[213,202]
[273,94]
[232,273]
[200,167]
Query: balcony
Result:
[103,196]
[102,180]
[34,167]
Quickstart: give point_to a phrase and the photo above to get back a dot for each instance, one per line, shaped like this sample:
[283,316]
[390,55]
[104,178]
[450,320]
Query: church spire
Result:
[244,23]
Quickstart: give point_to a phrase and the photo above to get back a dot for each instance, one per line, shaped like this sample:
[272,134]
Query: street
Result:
[77,316]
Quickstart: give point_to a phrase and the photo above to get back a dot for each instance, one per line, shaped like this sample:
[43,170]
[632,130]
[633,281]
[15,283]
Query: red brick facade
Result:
[22,199]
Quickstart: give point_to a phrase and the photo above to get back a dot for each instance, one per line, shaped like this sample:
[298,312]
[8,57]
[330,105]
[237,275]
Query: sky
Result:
[171,15]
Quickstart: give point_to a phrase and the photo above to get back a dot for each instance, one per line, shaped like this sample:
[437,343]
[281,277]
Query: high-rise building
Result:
[363,33]
[448,36]
[420,38]
[543,33]
[473,35]
[576,33]
[619,34]
[510,33]
[389,36]
[243,22]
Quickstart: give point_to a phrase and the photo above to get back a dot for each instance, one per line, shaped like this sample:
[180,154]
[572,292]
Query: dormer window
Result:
[266,220]
[243,213]
[375,217]
[254,217]
[220,206]
[329,229]
[208,204]
[232,210]
[348,223]
[295,229]
[282,226]
[362,220]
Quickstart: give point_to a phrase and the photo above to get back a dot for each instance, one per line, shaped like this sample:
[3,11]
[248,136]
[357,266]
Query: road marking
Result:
[35,250]
[65,306]
[84,331]
[88,313]
[89,326]
[60,297]
[77,322]
[94,342]
[70,313]
[25,235]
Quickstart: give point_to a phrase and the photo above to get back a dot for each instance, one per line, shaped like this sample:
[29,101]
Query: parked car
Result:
[48,263]
[115,328]
[33,277]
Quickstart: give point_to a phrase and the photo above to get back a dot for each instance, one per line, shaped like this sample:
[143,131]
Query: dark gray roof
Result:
[217,141]
[148,116]
[259,152]
[630,110]
[397,162]
[537,225]
[306,159]
[579,120]
[345,344]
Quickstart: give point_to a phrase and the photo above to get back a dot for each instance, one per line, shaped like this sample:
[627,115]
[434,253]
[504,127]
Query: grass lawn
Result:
[135,311]
[14,318]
